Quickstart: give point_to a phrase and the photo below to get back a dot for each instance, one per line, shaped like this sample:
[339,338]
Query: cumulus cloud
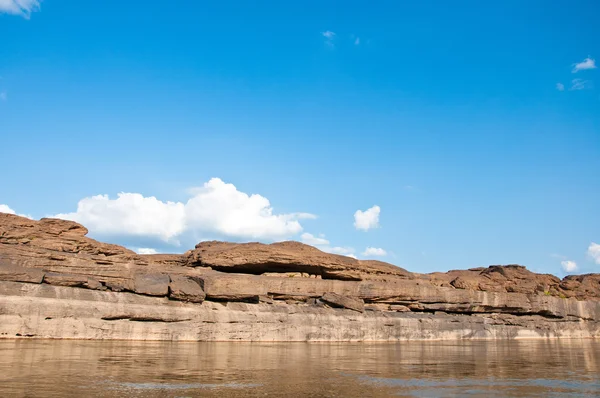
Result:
[312,240]
[19,7]
[580,84]
[569,266]
[368,219]
[130,214]
[587,63]
[7,209]
[593,252]
[216,208]
[374,251]
[560,87]
[145,250]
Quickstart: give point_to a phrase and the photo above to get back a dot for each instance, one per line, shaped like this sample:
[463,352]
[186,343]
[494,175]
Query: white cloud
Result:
[560,87]
[569,266]
[312,240]
[215,208]
[374,251]
[130,214]
[587,63]
[19,7]
[323,244]
[367,219]
[594,252]
[3,95]
[145,250]
[580,84]
[329,36]
[7,209]
[344,251]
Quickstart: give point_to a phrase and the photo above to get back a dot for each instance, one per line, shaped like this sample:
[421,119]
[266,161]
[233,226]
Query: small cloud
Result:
[8,210]
[329,36]
[580,84]
[23,8]
[593,252]
[560,87]
[310,239]
[145,250]
[323,244]
[569,266]
[368,219]
[344,251]
[374,251]
[587,63]
[357,41]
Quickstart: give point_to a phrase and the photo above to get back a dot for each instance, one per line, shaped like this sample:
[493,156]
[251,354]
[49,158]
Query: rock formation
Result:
[56,282]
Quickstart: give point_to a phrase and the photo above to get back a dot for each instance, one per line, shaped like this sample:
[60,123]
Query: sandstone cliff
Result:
[56,282]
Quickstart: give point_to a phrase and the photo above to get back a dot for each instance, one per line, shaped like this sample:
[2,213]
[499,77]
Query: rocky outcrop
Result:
[337,300]
[286,257]
[50,269]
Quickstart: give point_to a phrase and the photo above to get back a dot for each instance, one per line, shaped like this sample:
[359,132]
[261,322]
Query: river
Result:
[63,368]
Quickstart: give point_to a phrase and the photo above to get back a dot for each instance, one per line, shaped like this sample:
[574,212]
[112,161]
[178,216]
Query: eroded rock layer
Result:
[56,282]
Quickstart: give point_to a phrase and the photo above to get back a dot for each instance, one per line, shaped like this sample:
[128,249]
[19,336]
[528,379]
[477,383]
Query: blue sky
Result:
[474,127]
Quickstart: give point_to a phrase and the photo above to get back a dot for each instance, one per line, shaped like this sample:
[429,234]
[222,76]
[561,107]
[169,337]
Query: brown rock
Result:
[151,284]
[336,300]
[58,279]
[184,288]
[461,283]
[399,308]
[287,257]
[20,274]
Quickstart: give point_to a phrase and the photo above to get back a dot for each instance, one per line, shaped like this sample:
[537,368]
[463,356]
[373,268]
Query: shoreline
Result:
[67,313]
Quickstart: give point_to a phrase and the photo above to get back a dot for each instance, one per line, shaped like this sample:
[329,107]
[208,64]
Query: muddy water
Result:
[38,368]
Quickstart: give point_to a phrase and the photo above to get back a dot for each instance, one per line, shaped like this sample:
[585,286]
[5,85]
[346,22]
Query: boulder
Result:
[337,300]
[184,288]
[292,258]
[151,284]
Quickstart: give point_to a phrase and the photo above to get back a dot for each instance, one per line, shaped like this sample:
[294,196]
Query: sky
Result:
[431,135]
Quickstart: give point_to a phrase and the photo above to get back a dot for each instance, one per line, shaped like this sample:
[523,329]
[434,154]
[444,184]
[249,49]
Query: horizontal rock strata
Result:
[56,282]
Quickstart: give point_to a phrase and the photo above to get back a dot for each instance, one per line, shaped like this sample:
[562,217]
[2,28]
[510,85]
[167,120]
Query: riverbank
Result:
[56,283]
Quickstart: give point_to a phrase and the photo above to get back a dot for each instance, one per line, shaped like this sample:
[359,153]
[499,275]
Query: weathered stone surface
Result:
[185,289]
[399,308]
[20,274]
[151,284]
[287,257]
[46,311]
[58,279]
[336,300]
[282,276]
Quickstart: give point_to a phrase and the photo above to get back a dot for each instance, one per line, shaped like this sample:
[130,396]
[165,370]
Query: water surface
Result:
[52,368]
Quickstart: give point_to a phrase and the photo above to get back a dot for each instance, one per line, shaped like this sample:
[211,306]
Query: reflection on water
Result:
[48,368]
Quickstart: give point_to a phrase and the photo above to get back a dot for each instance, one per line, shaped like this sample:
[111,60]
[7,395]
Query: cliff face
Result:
[55,282]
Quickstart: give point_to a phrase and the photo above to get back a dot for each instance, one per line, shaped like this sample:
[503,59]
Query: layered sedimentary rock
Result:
[56,282]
